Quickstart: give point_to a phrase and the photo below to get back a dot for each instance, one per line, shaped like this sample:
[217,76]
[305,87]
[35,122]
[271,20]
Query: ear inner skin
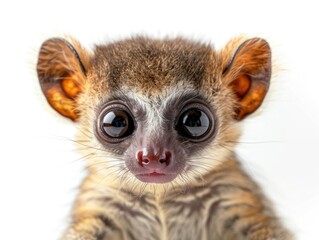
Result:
[61,74]
[241,86]
[70,87]
[252,100]
[58,100]
[250,73]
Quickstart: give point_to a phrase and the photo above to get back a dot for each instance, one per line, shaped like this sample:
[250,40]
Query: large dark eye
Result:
[116,124]
[194,124]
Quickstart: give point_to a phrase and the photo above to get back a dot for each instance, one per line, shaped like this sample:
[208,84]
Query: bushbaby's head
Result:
[156,110]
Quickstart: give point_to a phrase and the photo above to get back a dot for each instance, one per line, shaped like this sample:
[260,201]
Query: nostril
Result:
[142,160]
[163,160]
[145,161]
[166,161]
[167,158]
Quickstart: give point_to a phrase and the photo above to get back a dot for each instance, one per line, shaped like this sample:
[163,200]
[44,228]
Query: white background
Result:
[39,167]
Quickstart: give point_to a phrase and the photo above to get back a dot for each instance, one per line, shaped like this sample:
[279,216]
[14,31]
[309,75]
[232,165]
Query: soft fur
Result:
[213,198]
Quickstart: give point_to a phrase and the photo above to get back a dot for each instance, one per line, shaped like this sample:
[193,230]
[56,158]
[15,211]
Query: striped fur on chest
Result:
[225,201]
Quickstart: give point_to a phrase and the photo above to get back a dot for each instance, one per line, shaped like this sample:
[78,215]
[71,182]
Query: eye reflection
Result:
[117,124]
[194,124]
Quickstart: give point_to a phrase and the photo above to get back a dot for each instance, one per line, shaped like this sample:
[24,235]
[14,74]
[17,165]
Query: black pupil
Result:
[193,123]
[117,124]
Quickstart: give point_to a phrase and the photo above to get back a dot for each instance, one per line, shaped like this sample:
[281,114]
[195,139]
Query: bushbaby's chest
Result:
[182,216]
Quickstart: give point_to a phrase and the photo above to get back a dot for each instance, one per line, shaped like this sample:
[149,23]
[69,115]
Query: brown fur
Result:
[214,198]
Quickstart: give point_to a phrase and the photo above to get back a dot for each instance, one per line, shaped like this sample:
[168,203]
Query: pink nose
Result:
[154,161]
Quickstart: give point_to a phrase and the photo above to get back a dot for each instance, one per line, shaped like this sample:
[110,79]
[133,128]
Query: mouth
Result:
[156,177]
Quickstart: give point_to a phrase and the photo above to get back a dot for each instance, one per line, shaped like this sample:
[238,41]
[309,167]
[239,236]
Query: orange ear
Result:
[61,73]
[248,74]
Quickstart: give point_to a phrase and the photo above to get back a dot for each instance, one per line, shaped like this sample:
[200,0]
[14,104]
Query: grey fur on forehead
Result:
[151,64]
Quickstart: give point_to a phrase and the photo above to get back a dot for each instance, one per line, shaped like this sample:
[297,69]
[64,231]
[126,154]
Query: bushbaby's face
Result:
[153,110]
[158,111]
